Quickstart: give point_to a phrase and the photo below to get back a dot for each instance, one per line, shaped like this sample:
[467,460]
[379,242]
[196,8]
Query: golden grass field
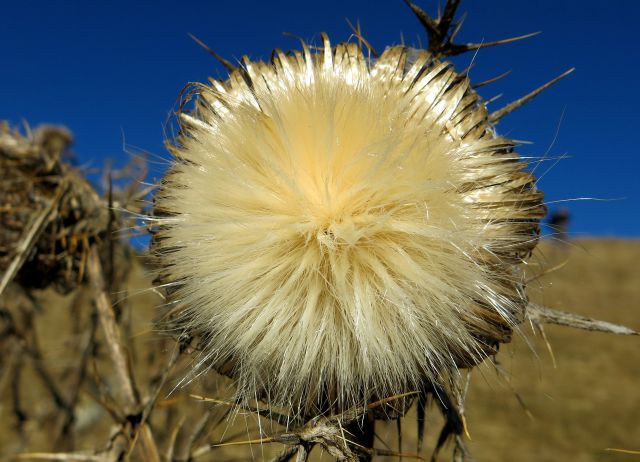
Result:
[589,402]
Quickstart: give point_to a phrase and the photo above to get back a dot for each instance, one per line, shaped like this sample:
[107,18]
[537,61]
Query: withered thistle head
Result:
[337,229]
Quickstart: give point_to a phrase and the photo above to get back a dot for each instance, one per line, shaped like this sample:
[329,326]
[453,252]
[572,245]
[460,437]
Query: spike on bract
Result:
[338,230]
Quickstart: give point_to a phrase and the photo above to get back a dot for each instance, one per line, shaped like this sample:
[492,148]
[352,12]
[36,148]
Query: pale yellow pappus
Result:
[343,229]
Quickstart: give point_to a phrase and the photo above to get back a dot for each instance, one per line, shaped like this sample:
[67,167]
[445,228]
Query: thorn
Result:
[437,29]
[623,451]
[427,21]
[227,64]
[492,80]
[65,456]
[239,443]
[465,427]
[493,98]
[459,49]
[212,400]
[379,403]
[500,113]
[444,21]
[457,28]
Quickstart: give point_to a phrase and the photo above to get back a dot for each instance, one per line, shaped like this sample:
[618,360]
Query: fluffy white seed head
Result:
[339,230]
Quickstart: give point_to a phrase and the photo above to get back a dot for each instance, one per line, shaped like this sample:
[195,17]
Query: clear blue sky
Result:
[111,72]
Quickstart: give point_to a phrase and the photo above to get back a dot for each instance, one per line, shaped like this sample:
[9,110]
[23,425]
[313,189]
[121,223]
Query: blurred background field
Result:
[591,400]
[587,403]
[575,411]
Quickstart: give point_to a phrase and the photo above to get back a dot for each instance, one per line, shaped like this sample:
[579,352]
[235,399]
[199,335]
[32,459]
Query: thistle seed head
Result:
[337,229]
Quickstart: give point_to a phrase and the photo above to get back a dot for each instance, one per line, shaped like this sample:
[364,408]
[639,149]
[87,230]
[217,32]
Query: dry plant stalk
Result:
[117,395]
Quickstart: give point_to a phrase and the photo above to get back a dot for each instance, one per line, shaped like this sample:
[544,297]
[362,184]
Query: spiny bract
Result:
[338,229]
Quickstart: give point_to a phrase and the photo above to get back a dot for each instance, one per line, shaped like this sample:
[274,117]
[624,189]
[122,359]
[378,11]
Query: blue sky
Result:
[112,72]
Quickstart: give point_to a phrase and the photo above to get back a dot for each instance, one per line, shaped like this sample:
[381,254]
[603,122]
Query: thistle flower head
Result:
[339,229]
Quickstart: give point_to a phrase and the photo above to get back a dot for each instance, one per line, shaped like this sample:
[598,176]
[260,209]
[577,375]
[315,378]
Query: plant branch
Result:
[541,314]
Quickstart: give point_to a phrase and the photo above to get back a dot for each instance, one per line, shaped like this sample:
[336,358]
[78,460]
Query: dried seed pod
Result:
[338,230]
[38,189]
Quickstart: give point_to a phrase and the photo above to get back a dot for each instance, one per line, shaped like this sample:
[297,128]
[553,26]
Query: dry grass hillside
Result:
[591,400]
[536,412]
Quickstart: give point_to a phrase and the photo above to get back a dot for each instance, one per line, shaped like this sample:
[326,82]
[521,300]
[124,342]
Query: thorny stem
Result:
[537,313]
[128,393]
[442,31]
[168,368]
[129,397]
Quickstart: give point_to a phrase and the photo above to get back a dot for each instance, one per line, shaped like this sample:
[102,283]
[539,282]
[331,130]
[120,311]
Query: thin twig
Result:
[187,452]
[117,351]
[62,456]
[153,397]
[173,436]
[104,398]
[148,446]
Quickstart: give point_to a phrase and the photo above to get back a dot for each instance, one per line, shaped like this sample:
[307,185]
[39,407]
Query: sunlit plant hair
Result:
[337,229]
